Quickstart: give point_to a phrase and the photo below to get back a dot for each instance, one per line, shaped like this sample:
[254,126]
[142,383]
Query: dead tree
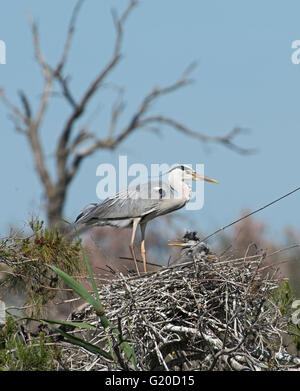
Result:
[68,157]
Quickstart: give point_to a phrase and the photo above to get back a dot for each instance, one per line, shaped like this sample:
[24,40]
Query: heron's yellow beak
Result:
[203,178]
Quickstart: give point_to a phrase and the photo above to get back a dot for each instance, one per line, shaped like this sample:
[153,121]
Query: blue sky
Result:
[245,77]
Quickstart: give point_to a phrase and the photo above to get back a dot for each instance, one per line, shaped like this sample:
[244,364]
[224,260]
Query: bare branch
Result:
[226,140]
[32,124]
[37,49]
[43,105]
[69,37]
[47,73]
[26,106]
[155,94]
[119,23]
[39,159]
[64,138]
[79,156]
[117,108]
[17,115]
[66,90]
[57,72]
[82,136]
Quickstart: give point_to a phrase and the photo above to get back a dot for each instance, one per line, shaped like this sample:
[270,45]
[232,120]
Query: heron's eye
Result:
[182,168]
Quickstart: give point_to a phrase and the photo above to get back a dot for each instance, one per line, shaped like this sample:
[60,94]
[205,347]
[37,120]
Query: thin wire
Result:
[250,214]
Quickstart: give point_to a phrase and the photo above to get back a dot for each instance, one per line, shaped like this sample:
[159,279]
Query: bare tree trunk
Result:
[55,206]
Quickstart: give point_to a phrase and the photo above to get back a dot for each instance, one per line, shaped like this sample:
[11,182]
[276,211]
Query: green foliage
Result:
[283,298]
[295,327]
[295,330]
[19,355]
[28,258]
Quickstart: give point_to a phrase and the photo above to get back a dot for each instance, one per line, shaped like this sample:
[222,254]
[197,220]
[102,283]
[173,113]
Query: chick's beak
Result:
[176,244]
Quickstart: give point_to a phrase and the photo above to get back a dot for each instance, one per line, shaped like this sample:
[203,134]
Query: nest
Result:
[210,313]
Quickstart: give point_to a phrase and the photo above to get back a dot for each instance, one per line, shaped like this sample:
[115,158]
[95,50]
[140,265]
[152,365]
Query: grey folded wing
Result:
[128,204]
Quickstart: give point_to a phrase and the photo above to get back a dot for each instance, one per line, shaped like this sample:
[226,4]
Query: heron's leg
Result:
[143,249]
[131,246]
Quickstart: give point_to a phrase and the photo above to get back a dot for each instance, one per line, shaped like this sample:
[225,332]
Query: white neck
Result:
[176,182]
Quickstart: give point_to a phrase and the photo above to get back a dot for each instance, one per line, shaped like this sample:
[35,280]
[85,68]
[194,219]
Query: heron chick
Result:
[192,247]
[137,205]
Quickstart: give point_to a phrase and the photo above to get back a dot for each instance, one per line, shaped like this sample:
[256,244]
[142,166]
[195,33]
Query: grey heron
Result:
[137,205]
